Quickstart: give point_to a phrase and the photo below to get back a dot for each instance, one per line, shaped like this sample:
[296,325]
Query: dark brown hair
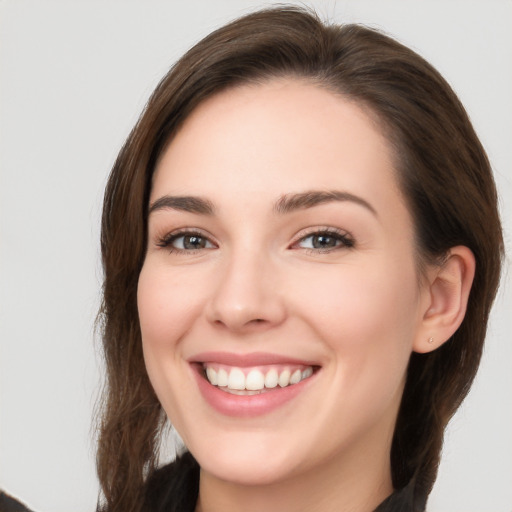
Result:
[444,173]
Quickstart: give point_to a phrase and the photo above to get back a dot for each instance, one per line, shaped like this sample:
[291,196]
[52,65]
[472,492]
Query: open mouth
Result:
[250,385]
[255,380]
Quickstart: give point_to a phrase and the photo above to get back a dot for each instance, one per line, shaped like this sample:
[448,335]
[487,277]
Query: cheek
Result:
[368,318]
[166,307]
[354,300]
[165,317]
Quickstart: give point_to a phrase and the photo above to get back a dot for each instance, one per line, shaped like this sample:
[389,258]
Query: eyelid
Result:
[347,240]
[164,241]
[342,235]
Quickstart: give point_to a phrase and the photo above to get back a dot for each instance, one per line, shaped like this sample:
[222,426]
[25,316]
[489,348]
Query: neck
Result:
[358,486]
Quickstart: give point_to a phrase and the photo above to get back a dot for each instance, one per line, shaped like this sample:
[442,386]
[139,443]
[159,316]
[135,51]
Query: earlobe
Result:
[447,298]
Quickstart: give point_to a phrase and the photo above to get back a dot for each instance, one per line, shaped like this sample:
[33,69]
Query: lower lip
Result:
[248,405]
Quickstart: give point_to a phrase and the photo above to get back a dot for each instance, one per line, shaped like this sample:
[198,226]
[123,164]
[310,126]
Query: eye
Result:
[185,242]
[325,241]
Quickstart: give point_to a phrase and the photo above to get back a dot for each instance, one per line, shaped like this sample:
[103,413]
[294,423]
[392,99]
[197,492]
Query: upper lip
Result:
[245,360]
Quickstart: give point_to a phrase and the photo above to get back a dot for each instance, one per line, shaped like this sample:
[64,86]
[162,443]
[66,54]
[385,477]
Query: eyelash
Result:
[166,241]
[342,240]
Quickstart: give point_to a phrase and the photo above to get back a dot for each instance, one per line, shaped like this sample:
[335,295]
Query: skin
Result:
[256,284]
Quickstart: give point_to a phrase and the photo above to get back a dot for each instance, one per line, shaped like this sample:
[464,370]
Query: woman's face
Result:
[281,262]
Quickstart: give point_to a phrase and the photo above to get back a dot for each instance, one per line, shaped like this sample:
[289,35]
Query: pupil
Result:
[193,242]
[322,241]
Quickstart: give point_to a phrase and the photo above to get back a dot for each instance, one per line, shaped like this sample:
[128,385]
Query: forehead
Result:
[273,138]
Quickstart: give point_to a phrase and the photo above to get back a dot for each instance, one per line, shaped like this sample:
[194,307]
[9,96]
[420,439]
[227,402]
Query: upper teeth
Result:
[255,379]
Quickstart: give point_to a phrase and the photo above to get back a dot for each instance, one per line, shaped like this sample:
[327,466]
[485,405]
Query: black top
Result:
[175,487]
[10,504]
[181,479]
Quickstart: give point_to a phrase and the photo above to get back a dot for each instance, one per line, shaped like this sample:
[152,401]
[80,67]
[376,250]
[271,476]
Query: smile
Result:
[252,384]
[252,381]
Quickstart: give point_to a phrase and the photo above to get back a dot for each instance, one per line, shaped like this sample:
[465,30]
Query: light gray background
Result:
[74,76]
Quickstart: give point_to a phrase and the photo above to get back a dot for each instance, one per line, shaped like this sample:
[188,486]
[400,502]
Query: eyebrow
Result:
[285,204]
[191,204]
[311,198]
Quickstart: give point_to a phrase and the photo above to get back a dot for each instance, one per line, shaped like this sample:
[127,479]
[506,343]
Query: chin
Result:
[247,458]
[241,469]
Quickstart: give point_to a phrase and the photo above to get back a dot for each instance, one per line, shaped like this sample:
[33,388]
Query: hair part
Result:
[441,166]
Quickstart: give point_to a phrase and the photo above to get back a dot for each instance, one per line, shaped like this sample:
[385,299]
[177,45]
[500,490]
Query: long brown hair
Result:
[444,173]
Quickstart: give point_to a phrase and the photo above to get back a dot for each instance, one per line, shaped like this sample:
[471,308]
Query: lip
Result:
[246,360]
[246,406]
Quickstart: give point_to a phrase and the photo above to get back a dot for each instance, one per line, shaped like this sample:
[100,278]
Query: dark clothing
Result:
[175,487]
[10,504]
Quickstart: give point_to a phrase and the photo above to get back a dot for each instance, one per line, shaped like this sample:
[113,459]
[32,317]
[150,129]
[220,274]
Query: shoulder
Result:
[174,487]
[406,499]
[10,504]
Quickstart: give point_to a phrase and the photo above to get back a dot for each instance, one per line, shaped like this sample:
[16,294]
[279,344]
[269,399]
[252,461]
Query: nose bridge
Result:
[245,293]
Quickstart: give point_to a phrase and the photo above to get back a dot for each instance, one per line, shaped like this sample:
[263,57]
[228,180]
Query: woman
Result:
[301,247]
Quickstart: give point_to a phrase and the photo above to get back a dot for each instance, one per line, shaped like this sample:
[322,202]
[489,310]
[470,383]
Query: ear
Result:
[446,297]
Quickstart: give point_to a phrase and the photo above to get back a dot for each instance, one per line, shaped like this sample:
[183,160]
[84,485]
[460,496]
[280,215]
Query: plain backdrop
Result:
[74,77]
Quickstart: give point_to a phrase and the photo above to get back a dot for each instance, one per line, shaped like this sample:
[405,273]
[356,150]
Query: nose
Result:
[247,296]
